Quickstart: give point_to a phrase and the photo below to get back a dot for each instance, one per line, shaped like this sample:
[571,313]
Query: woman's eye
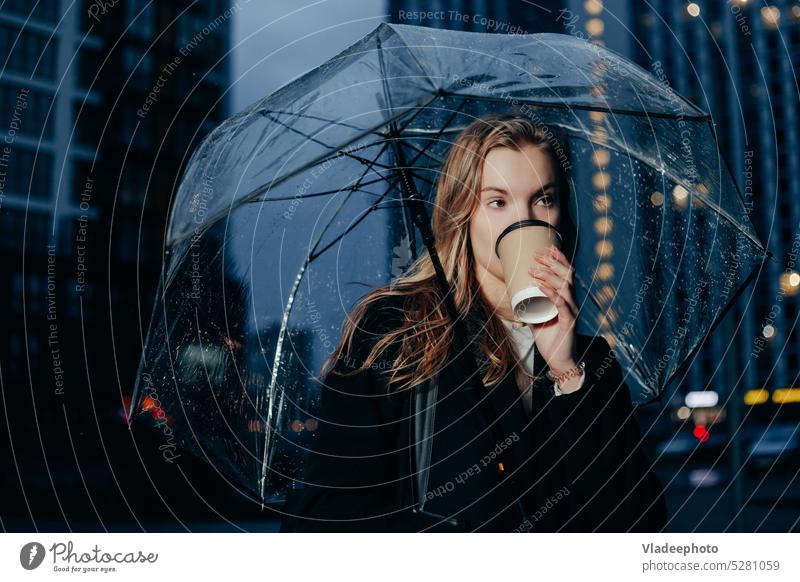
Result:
[495,200]
[548,201]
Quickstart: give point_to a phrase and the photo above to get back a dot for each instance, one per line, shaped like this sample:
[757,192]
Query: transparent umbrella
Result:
[294,208]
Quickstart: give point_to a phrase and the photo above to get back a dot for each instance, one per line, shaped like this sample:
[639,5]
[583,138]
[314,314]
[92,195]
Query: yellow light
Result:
[605,271]
[679,193]
[785,395]
[599,68]
[606,294]
[683,413]
[753,397]
[770,15]
[657,198]
[768,331]
[593,6]
[790,282]
[598,116]
[600,158]
[680,197]
[603,225]
[598,90]
[602,202]
[604,248]
[600,135]
[595,26]
[607,318]
[693,9]
[601,180]
[612,341]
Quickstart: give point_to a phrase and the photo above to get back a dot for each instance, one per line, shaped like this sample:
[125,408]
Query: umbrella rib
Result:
[265,464]
[427,75]
[678,180]
[427,154]
[394,181]
[354,188]
[567,106]
[364,173]
[335,153]
[311,256]
[392,185]
[735,184]
[355,223]
[721,211]
[284,321]
[421,104]
[307,116]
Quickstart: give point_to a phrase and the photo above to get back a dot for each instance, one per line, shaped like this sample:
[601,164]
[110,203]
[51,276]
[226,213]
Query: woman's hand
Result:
[555,339]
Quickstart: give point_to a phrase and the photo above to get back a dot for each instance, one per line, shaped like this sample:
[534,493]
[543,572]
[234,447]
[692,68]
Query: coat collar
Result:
[474,326]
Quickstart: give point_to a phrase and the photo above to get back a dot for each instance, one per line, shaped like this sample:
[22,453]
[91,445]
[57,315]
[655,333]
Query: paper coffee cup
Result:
[515,248]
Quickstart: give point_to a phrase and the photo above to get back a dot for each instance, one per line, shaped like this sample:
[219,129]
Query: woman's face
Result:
[516,185]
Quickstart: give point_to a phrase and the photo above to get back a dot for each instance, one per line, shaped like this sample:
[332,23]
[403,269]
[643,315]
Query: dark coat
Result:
[574,465]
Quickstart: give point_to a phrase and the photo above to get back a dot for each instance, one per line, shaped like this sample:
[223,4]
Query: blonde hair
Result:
[426,334]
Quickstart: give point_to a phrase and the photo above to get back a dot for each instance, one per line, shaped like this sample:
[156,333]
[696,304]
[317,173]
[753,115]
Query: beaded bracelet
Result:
[559,378]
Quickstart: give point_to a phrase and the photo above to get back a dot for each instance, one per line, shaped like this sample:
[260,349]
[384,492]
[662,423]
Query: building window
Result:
[88,64]
[36,115]
[44,10]
[32,171]
[135,131]
[81,174]
[93,18]
[133,186]
[138,68]
[140,18]
[126,240]
[89,123]
[29,53]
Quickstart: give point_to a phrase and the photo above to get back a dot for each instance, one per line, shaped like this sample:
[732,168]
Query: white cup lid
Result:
[531,305]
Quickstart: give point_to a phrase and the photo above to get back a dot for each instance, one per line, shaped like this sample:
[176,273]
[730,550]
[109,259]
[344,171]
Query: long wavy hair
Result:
[426,334]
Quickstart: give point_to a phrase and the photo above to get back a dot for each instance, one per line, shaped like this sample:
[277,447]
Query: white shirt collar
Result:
[517,327]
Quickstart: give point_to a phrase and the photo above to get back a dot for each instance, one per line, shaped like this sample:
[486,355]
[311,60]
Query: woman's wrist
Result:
[568,378]
[571,384]
[561,367]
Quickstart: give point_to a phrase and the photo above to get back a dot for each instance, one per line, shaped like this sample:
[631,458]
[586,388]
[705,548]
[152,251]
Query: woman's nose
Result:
[527,213]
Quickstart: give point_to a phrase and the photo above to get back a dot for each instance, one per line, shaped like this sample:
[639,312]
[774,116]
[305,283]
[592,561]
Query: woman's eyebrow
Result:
[541,190]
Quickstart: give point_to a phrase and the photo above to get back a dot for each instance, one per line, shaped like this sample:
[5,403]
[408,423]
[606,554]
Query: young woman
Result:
[408,441]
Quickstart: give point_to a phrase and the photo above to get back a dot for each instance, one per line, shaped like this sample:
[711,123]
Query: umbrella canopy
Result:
[292,210]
